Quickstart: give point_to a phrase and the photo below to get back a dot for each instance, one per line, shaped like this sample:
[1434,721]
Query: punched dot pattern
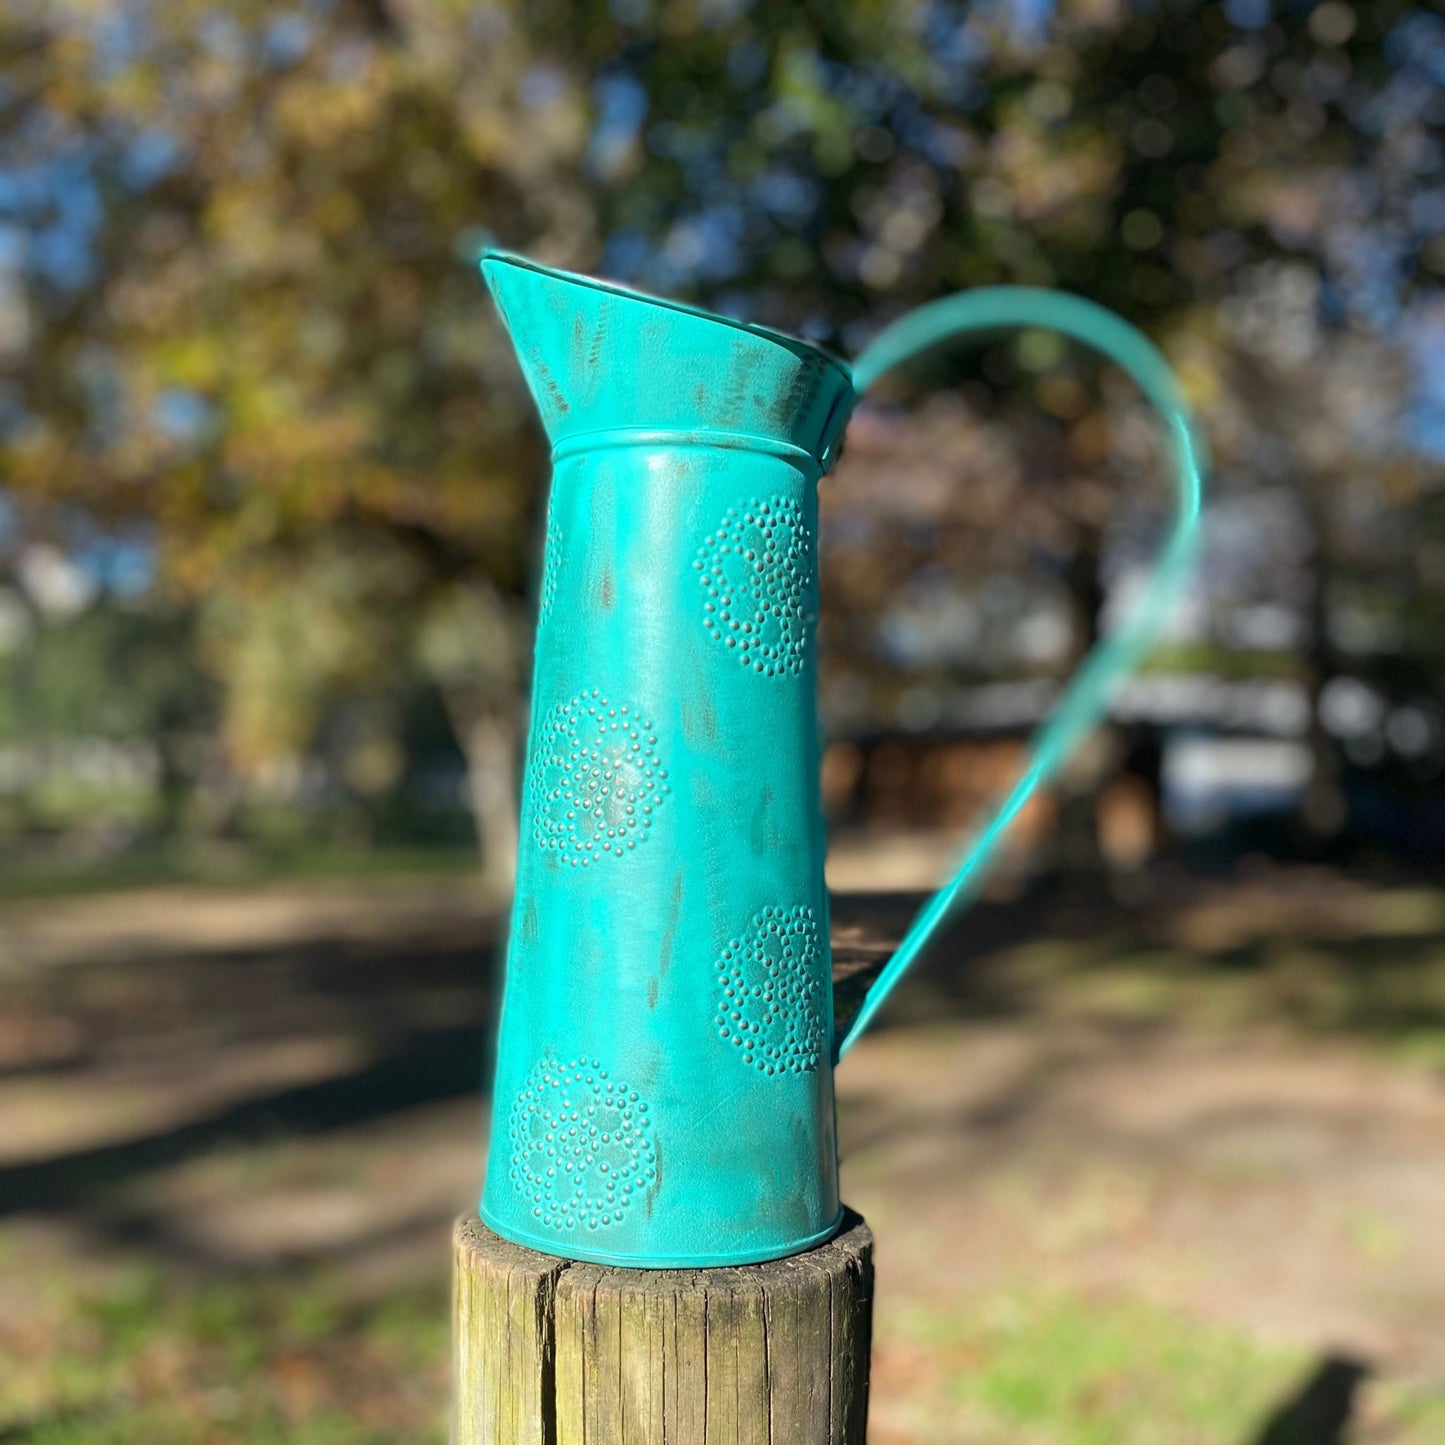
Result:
[755,570]
[551,561]
[770,1001]
[582,1152]
[596,780]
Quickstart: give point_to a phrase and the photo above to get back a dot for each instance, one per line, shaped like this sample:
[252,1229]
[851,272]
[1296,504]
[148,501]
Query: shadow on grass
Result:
[1092,979]
[1320,1412]
[438,1064]
[1317,973]
[414,1012]
[418,1007]
[76,1424]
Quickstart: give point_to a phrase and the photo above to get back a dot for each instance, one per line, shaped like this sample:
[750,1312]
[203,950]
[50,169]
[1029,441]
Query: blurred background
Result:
[1152,1144]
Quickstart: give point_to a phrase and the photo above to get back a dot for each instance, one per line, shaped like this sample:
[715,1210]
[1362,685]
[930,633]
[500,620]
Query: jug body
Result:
[664,1092]
[664,1089]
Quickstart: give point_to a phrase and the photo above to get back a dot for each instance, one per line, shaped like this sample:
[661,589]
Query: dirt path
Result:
[229,1084]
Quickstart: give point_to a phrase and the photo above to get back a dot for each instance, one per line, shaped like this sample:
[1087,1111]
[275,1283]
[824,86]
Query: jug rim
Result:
[631,293]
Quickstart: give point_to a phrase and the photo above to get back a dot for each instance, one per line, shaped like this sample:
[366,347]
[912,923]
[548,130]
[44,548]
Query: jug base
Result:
[548,1245]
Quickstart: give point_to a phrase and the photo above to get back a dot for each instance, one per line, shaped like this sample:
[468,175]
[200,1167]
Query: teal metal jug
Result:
[664,1080]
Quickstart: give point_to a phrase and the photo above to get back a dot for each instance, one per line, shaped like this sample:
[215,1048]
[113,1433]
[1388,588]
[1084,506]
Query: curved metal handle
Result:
[1086,698]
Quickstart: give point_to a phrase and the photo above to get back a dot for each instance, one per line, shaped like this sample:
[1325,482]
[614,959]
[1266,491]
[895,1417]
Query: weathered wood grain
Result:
[502,1338]
[552,1352]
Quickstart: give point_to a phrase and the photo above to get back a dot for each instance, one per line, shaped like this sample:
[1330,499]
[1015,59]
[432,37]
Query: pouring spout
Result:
[546,314]
[600,357]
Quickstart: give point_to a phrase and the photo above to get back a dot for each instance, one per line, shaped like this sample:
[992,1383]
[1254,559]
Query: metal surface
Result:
[664,1090]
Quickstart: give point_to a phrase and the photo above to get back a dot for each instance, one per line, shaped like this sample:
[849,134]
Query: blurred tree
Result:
[1260,185]
[115,672]
[237,234]
[269,344]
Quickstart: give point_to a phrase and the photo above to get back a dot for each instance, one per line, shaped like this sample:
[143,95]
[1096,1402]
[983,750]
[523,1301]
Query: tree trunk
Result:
[487,736]
[1095,761]
[1324,804]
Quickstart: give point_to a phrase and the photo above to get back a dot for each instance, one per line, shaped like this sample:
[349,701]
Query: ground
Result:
[1156,1172]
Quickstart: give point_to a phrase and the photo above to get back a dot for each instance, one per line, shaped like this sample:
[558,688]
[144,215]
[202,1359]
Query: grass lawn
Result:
[1037,1368]
[292,1363]
[288,1361]
[1165,1175]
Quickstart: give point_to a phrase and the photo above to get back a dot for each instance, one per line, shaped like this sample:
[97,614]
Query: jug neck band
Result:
[634,436]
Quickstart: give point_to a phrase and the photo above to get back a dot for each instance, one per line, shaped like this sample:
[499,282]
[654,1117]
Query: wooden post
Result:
[548,1351]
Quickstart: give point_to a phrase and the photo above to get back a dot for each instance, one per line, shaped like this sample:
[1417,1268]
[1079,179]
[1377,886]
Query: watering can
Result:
[664,1079]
